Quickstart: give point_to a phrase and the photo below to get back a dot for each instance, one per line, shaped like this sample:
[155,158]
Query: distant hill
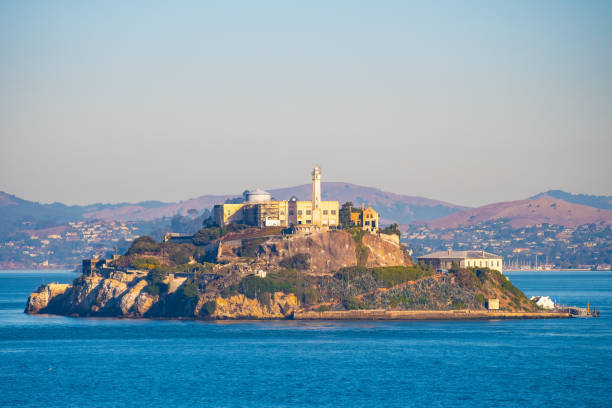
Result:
[138,212]
[393,207]
[602,202]
[14,211]
[18,214]
[544,209]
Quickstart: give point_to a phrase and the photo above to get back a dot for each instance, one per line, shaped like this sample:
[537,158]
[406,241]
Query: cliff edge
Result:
[248,275]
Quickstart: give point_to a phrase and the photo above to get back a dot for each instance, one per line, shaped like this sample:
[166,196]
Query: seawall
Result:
[381,314]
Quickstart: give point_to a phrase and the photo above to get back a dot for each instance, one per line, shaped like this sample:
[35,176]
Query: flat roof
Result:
[460,255]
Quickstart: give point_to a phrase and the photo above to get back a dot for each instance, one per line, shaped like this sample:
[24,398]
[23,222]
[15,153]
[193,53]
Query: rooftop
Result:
[258,191]
[450,254]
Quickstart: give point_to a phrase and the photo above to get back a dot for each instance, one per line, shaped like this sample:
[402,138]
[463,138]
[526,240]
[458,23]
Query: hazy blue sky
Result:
[470,102]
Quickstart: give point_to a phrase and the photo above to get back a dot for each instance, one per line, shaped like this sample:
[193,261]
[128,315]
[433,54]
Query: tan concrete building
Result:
[259,210]
[366,218]
[465,259]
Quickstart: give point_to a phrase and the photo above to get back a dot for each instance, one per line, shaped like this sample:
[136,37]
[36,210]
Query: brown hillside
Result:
[392,207]
[528,212]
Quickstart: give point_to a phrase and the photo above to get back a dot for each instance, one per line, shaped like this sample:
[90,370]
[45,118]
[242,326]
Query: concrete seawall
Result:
[380,314]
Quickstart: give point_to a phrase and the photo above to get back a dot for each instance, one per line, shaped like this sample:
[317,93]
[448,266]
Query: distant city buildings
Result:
[67,245]
[540,246]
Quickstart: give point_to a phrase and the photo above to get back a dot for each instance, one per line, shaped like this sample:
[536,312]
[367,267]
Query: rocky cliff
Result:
[125,296]
[276,277]
[327,251]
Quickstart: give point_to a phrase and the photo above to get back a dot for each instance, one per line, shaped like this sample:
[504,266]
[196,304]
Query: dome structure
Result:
[258,196]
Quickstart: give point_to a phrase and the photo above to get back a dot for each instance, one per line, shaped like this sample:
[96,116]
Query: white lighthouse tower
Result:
[316,196]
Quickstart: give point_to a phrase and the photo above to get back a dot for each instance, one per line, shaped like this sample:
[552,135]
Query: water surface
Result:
[61,362]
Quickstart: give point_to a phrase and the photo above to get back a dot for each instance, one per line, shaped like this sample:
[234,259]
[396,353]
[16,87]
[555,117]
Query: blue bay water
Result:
[56,361]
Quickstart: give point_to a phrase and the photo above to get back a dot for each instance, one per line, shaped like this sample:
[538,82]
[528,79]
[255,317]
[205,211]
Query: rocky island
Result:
[238,272]
[262,258]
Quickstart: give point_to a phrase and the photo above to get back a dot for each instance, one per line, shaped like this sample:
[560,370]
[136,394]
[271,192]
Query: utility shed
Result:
[493,304]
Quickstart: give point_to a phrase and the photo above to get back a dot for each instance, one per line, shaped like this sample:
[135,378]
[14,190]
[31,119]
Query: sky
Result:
[470,102]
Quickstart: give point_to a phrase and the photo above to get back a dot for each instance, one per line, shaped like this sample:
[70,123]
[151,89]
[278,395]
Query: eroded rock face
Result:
[333,250]
[44,296]
[384,252]
[129,298]
[279,306]
[93,296]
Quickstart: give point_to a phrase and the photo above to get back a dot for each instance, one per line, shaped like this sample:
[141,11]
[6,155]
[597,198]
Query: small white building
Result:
[465,259]
[493,304]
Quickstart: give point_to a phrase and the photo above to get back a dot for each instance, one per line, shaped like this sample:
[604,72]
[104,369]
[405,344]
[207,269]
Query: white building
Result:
[465,259]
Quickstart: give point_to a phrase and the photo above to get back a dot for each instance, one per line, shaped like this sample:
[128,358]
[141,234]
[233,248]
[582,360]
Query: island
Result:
[268,259]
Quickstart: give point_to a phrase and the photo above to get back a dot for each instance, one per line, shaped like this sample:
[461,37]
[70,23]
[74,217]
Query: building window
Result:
[367,223]
[228,212]
[324,212]
[282,213]
[308,212]
[333,212]
[299,212]
[291,212]
[308,221]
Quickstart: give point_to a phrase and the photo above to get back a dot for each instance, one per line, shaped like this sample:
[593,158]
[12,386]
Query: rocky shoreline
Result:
[330,275]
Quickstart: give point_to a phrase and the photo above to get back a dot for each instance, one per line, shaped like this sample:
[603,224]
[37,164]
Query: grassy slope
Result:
[392,288]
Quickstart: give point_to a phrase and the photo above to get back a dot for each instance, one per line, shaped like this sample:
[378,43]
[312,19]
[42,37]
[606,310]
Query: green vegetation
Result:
[183,301]
[479,299]
[178,254]
[287,281]
[144,262]
[400,299]
[392,229]
[385,276]
[206,235]
[250,247]
[210,307]
[300,262]
[352,303]
[323,308]
[142,245]
[344,218]
[189,289]
[212,232]
[457,304]
[361,252]
[155,285]
[467,278]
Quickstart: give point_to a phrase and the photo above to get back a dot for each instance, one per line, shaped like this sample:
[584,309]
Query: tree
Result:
[345,214]
[392,229]
[143,244]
